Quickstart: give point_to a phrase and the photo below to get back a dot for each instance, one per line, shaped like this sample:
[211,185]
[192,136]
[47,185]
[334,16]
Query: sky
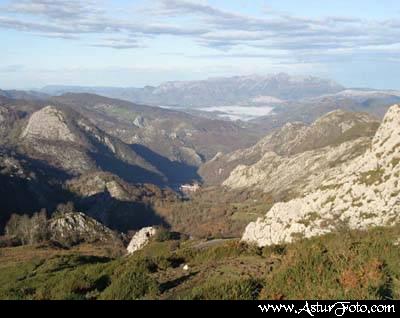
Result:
[137,43]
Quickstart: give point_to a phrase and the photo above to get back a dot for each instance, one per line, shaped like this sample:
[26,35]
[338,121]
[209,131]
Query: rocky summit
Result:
[362,193]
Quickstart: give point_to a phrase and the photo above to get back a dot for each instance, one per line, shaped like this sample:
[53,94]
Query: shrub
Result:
[163,235]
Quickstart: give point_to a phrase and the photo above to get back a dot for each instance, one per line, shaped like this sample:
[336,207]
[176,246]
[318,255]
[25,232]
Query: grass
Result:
[345,265]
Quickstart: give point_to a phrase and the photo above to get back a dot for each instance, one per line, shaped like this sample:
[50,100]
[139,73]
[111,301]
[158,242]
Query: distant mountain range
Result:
[235,90]
[268,101]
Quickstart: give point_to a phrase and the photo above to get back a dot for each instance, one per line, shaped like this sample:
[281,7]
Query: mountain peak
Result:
[49,123]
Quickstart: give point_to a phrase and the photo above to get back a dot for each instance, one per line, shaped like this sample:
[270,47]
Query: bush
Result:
[163,235]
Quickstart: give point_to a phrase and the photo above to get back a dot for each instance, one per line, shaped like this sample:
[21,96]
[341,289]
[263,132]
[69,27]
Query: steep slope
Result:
[333,128]
[295,174]
[364,192]
[67,140]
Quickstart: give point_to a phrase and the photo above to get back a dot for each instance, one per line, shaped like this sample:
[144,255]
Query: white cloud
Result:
[293,39]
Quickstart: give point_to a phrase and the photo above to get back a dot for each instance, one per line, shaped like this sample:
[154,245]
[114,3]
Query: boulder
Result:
[141,239]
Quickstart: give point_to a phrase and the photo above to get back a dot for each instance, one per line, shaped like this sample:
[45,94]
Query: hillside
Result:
[69,141]
[282,146]
[343,266]
[363,192]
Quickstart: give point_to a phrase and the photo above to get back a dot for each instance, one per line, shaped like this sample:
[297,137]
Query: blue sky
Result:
[137,43]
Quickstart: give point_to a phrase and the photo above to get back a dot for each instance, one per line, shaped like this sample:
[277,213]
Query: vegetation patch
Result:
[372,176]
[395,162]
[343,265]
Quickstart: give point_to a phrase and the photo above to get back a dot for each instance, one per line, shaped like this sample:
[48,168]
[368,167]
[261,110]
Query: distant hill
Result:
[215,91]
[21,94]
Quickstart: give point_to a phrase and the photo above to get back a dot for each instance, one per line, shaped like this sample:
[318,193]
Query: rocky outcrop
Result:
[298,173]
[94,183]
[245,168]
[49,123]
[364,192]
[76,227]
[141,239]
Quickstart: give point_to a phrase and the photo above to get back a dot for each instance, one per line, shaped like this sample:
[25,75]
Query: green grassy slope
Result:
[346,265]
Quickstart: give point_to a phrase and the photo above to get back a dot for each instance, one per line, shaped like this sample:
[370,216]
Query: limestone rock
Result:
[75,227]
[139,121]
[364,192]
[49,123]
[141,239]
[297,173]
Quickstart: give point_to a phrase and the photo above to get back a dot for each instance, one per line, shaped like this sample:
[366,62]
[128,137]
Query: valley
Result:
[247,191]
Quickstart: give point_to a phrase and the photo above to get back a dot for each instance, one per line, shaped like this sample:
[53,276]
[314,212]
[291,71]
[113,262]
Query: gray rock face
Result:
[139,122]
[98,182]
[362,193]
[141,239]
[75,227]
[50,124]
[297,173]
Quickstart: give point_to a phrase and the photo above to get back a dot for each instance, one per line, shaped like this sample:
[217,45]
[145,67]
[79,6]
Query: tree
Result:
[39,230]
[28,230]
